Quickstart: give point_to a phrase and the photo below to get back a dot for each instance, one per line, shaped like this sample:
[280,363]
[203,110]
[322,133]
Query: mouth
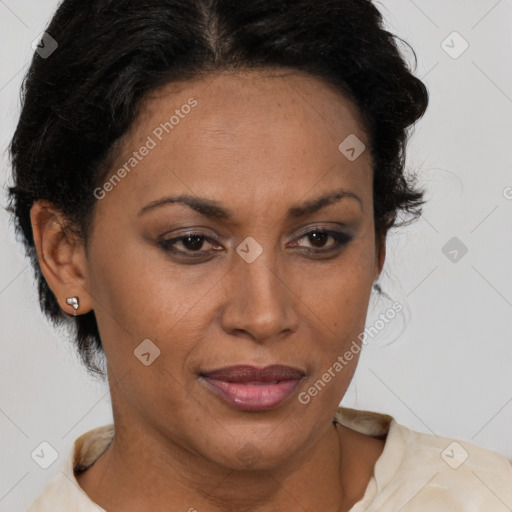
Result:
[253,389]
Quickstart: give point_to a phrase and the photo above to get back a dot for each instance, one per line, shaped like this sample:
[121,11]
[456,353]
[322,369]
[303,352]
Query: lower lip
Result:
[253,397]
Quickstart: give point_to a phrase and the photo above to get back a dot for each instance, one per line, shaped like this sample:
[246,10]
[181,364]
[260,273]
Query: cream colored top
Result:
[416,472]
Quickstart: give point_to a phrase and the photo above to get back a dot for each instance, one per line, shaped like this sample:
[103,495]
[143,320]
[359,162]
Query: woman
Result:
[205,190]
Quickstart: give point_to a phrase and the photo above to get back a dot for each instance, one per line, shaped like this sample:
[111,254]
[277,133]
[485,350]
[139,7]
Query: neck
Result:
[135,473]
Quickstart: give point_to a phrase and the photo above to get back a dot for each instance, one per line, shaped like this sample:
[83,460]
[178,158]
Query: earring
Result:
[74,302]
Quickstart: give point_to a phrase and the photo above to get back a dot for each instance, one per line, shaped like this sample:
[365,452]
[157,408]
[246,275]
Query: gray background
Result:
[441,367]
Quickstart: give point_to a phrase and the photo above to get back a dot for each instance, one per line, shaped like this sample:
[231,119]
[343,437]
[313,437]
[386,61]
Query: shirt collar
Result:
[91,445]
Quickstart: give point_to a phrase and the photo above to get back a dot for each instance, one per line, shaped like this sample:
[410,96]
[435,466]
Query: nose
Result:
[261,302]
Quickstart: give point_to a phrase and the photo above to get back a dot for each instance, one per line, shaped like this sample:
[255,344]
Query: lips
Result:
[254,389]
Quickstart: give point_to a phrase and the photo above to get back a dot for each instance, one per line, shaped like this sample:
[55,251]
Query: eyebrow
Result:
[213,209]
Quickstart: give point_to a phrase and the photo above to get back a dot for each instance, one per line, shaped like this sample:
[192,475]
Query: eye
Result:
[191,242]
[318,239]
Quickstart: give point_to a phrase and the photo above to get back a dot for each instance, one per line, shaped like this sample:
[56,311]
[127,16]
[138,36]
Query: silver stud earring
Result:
[74,302]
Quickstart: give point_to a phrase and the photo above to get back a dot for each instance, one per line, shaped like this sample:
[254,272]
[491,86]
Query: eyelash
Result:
[341,239]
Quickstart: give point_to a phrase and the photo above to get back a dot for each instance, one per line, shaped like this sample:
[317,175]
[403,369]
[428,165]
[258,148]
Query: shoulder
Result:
[450,474]
[62,492]
[419,472]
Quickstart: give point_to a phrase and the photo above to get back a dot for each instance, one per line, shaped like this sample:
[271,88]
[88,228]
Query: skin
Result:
[257,143]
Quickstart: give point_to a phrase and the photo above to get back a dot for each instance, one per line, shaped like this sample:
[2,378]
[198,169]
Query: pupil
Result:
[315,239]
[196,244]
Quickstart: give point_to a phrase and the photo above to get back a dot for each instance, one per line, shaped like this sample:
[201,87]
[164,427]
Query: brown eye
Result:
[319,237]
[191,243]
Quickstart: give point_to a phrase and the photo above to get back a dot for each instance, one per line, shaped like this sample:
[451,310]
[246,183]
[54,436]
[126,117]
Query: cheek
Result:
[339,295]
[340,304]
[129,283]
[139,295]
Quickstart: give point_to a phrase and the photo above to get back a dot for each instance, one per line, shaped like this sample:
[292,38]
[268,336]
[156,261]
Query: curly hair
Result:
[79,102]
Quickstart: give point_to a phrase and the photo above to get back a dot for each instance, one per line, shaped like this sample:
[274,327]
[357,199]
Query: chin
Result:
[253,450]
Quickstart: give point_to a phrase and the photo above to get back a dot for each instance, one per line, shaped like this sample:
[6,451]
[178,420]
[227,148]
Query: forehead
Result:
[252,136]
[234,101]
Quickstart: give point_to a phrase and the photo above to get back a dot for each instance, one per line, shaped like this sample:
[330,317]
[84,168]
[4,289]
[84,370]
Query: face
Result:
[256,273]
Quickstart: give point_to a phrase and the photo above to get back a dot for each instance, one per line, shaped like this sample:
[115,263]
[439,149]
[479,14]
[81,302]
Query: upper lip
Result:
[247,373]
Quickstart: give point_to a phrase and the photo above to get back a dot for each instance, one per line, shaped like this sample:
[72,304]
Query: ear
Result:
[380,255]
[61,256]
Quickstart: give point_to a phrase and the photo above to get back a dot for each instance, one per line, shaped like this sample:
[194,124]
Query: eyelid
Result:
[341,239]
[320,227]
[303,231]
